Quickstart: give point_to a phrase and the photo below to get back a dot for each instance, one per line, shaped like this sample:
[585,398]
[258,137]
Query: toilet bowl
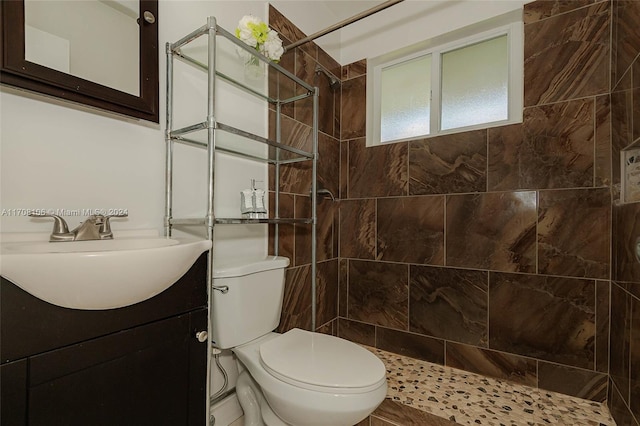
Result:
[298,378]
[314,379]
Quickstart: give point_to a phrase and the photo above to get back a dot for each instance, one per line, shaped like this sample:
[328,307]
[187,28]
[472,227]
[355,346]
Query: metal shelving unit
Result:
[204,134]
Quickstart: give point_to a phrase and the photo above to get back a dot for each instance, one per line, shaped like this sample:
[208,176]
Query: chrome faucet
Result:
[89,229]
[95,227]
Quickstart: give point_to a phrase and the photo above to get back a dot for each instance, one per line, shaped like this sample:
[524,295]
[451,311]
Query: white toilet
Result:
[297,378]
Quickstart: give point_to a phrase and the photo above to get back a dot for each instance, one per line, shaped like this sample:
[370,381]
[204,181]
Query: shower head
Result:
[334,83]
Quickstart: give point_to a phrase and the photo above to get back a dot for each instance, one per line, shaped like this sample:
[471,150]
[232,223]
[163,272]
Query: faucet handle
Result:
[105,230]
[60,229]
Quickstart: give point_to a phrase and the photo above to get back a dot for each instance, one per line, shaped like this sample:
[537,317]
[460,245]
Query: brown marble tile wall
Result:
[358,229]
[420,223]
[329,163]
[502,365]
[355,69]
[549,318]
[295,181]
[296,304]
[451,163]
[567,55]
[626,39]
[286,232]
[519,286]
[570,244]
[603,154]
[413,345]
[411,230]
[624,357]
[573,381]
[603,297]
[620,339]
[449,303]
[296,177]
[378,171]
[634,362]
[618,407]
[354,117]
[546,9]
[327,292]
[378,293]
[552,148]
[624,336]
[492,231]
[358,332]
[621,121]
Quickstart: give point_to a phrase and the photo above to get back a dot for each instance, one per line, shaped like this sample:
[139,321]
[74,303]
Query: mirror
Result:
[99,53]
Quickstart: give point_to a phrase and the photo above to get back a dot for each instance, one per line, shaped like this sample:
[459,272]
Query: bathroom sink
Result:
[34,247]
[98,274]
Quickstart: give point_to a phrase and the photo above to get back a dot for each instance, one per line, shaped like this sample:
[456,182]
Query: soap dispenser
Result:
[246,203]
[260,208]
[252,205]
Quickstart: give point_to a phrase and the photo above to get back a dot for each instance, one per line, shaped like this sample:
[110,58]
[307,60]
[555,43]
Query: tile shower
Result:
[495,251]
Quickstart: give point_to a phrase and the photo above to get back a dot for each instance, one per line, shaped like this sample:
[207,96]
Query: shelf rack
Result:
[204,134]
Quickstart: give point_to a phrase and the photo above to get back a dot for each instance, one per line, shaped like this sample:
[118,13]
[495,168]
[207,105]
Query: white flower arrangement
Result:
[258,35]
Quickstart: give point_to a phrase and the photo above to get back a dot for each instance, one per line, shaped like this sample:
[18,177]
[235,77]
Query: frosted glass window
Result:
[467,79]
[405,99]
[475,81]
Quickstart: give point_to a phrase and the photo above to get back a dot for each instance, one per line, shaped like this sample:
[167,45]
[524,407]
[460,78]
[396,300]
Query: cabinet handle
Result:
[202,336]
[149,17]
[222,288]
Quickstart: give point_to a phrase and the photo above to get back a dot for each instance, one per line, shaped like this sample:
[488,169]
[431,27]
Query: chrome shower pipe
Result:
[333,80]
[342,24]
[324,193]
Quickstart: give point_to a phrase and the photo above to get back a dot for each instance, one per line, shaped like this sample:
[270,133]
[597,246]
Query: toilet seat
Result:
[298,403]
[321,363]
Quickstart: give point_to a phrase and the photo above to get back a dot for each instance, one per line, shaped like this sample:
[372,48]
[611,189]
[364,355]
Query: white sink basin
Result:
[103,274]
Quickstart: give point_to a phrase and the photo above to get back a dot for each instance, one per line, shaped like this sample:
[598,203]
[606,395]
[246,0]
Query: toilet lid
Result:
[303,358]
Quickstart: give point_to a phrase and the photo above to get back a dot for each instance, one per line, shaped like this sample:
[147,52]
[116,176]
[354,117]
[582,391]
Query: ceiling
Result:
[407,22]
[346,9]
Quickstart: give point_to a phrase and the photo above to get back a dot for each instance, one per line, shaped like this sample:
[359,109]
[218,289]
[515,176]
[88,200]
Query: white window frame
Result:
[515,42]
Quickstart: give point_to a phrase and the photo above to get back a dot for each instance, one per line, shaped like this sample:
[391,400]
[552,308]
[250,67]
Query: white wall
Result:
[55,155]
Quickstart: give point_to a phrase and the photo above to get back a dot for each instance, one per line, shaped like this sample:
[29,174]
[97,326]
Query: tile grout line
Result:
[609,381]
[537,244]
[488,308]
[629,355]
[348,266]
[468,268]
[444,352]
[444,230]
[595,340]
[595,139]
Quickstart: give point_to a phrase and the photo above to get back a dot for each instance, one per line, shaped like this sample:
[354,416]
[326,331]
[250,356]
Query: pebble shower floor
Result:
[471,399]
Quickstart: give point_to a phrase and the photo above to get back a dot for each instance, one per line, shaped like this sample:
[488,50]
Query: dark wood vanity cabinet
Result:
[138,365]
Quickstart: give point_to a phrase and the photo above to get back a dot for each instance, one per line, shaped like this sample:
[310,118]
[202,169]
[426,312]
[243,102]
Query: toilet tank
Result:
[252,306]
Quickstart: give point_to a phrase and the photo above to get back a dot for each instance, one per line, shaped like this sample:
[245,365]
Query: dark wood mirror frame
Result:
[16,71]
